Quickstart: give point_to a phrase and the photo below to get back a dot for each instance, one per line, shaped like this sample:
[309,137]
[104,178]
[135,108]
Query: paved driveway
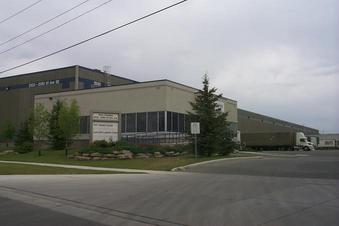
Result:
[316,164]
[211,195]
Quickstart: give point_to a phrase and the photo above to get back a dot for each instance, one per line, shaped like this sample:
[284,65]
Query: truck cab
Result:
[303,143]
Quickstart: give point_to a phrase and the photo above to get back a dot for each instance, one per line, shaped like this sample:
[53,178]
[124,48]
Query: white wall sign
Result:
[105,117]
[105,126]
[195,128]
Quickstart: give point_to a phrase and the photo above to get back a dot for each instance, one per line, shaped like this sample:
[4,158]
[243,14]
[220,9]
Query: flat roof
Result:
[260,116]
[63,68]
[124,86]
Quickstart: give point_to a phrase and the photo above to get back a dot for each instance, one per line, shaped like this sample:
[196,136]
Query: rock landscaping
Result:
[122,155]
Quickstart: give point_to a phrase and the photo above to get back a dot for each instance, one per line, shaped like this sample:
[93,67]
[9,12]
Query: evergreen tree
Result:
[24,138]
[214,136]
[8,133]
[55,133]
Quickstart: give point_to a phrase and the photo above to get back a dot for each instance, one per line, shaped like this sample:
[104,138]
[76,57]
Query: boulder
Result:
[96,158]
[158,154]
[85,154]
[142,156]
[95,154]
[108,156]
[169,153]
[79,157]
[126,152]
[115,152]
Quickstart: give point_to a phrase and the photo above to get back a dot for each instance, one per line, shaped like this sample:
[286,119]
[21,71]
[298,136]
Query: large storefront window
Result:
[84,124]
[153,122]
[141,122]
[130,122]
[176,122]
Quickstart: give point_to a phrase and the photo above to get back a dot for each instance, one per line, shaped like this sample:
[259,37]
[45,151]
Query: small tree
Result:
[69,123]
[40,125]
[213,135]
[55,133]
[24,138]
[8,133]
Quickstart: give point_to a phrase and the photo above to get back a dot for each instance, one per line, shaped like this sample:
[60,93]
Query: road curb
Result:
[275,155]
[183,168]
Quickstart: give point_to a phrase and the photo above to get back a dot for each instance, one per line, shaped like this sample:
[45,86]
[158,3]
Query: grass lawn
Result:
[21,169]
[166,163]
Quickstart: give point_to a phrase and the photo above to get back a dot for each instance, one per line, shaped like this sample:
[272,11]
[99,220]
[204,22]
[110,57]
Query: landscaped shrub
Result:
[106,147]
[102,144]
[24,147]
[92,149]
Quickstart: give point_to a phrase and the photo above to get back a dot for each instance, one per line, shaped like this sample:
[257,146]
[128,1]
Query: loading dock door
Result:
[105,126]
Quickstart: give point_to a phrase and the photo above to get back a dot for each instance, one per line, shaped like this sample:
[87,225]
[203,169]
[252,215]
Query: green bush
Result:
[92,149]
[102,144]
[106,147]
[24,147]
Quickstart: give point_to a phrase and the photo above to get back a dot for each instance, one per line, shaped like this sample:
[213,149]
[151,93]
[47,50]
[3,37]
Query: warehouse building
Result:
[17,92]
[113,106]
[250,122]
[144,109]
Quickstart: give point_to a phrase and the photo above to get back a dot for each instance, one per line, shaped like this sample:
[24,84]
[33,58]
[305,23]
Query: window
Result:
[175,121]
[84,124]
[181,123]
[187,124]
[152,118]
[169,121]
[141,122]
[130,122]
[123,123]
[161,121]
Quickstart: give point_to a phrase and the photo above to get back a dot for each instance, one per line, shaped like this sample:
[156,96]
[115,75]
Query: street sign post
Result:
[195,129]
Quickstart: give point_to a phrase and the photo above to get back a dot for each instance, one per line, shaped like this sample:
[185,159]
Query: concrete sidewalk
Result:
[88,167]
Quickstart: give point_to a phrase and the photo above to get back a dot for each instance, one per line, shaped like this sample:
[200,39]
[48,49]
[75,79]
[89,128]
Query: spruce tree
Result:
[8,133]
[214,136]
[56,138]
[24,138]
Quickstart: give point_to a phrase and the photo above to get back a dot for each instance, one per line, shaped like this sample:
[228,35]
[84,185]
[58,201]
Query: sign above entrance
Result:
[105,126]
[105,117]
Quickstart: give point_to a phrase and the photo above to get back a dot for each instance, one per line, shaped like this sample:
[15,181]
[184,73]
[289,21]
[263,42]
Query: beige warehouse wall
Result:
[178,100]
[142,97]
[113,100]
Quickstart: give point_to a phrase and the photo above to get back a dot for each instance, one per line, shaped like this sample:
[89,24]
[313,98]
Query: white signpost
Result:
[195,129]
[105,126]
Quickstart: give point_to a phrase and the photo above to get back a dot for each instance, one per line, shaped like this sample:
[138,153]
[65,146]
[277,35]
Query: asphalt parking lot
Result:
[312,164]
[267,191]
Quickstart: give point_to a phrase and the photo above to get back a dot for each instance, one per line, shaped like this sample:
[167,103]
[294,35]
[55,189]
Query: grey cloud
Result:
[274,57]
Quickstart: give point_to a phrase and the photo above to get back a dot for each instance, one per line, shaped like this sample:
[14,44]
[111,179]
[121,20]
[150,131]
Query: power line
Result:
[20,11]
[94,37]
[63,24]
[43,23]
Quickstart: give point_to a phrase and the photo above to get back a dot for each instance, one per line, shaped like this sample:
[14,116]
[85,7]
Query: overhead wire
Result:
[55,28]
[94,37]
[45,22]
[20,11]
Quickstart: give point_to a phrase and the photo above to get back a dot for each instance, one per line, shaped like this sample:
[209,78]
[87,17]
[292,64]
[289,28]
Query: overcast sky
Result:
[275,57]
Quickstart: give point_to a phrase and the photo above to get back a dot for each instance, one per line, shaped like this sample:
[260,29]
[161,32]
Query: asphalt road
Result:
[232,192]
